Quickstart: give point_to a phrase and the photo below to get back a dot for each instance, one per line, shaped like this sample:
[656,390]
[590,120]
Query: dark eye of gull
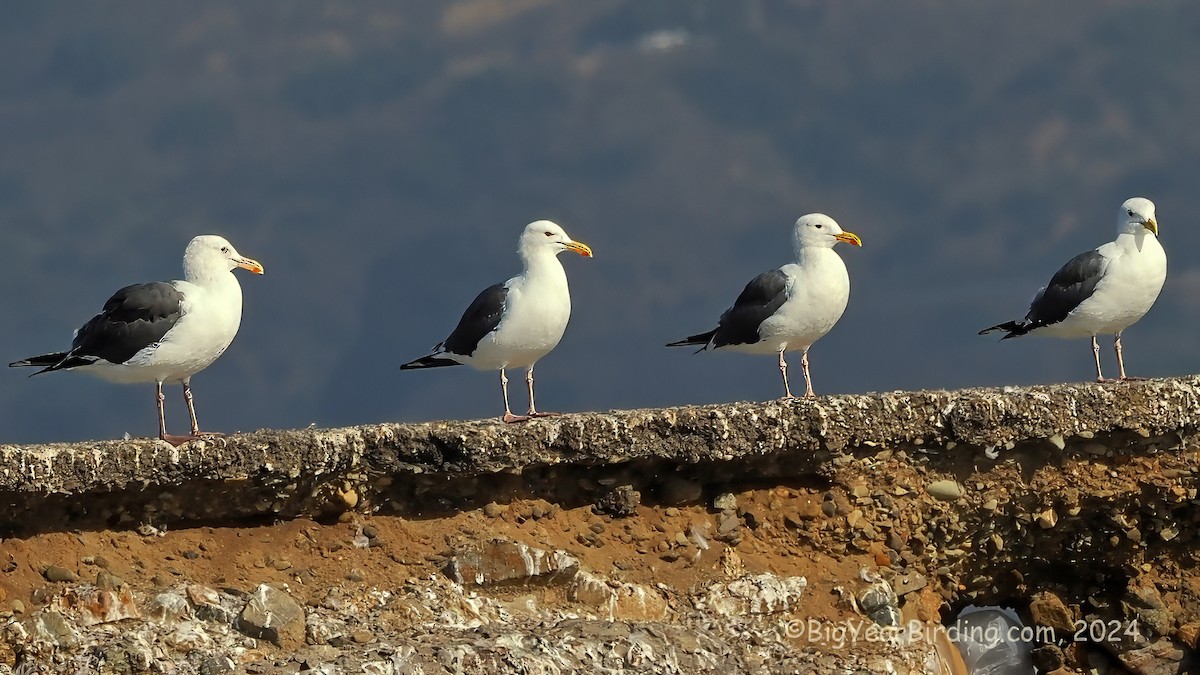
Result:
[551,234]
[225,249]
[818,226]
[1131,212]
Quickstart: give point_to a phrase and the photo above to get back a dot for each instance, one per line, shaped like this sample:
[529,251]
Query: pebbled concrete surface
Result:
[315,472]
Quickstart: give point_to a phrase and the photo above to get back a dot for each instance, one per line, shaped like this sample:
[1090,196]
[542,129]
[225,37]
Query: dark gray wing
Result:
[481,318]
[759,300]
[1068,288]
[134,318]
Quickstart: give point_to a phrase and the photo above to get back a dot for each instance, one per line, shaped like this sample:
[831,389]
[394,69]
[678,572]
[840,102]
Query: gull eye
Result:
[1130,212]
[551,234]
[225,249]
[818,226]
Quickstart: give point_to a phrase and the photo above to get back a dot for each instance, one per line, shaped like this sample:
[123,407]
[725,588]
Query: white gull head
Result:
[1135,216]
[210,254]
[544,236]
[818,230]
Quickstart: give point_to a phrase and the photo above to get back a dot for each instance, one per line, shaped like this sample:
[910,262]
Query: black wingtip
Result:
[692,340]
[48,362]
[23,364]
[430,361]
[1013,328]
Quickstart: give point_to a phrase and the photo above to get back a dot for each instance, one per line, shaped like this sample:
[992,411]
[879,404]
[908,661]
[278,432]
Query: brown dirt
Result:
[311,557]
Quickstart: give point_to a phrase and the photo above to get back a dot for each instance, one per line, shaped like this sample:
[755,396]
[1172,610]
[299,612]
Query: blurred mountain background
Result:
[380,159]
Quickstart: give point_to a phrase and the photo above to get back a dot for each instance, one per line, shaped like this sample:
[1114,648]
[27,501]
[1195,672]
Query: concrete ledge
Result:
[417,467]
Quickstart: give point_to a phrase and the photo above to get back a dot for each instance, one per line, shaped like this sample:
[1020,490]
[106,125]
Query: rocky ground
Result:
[844,558]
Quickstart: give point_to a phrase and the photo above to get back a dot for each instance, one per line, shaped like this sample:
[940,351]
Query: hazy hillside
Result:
[381,158]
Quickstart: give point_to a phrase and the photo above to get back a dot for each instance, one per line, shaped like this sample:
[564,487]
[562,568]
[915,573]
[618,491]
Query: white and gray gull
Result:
[790,307]
[162,331]
[515,323]
[1102,291]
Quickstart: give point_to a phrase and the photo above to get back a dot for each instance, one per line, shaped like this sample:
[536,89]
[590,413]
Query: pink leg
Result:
[187,396]
[162,420]
[787,391]
[808,393]
[508,416]
[162,413]
[533,409]
[1096,355]
[1121,362]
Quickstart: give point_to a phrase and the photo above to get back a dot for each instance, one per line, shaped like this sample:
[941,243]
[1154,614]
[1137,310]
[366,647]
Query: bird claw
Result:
[176,440]
[509,418]
[533,413]
[1133,378]
[196,436]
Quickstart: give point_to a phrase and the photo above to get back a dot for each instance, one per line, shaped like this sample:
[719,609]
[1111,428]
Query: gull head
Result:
[819,230]
[210,253]
[544,235]
[1137,214]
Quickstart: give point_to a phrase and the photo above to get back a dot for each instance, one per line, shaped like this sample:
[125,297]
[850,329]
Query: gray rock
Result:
[51,627]
[208,605]
[169,607]
[272,615]
[727,525]
[726,501]
[879,602]
[903,584]
[108,581]
[217,665]
[945,490]
[59,574]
